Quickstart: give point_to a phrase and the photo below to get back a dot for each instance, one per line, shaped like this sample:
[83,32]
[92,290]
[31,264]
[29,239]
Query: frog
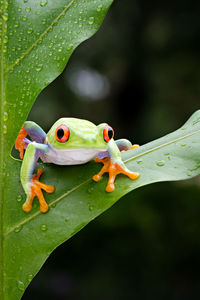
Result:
[70,141]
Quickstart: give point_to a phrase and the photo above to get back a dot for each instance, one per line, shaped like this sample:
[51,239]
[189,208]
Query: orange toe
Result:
[36,191]
[113,169]
[134,146]
[19,143]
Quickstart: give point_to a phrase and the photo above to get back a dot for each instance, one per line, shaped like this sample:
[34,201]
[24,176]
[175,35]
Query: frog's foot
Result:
[113,169]
[36,191]
[20,144]
[134,146]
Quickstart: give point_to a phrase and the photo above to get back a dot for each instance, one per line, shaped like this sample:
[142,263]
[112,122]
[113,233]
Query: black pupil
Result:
[110,133]
[60,133]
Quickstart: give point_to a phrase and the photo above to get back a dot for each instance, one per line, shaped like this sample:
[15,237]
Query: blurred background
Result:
[141,74]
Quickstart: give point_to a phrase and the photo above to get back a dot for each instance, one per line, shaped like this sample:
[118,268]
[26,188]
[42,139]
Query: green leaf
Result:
[30,238]
[36,40]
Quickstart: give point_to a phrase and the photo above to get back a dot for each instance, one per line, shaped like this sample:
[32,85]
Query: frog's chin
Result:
[70,156]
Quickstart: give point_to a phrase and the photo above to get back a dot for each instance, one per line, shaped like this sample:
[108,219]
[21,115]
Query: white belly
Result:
[70,156]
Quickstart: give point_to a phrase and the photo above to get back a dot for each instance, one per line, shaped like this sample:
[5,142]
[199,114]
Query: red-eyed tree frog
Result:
[70,141]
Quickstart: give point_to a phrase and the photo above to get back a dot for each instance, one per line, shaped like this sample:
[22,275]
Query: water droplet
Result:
[18,228]
[30,30]
[99,8]
[91,20]
[43,227]
[5,116]
[139,161]
[25,1]
[4,129]
[183,145]
[43,3]
[5,16]
[20,285]
[30,277]
[19,198]
[5,40]
[69,47]
[91,208]
[39,67]
[160,163]
[28,9]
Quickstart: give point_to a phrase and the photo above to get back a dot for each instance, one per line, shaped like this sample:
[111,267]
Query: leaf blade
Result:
[79,200]
[35,44]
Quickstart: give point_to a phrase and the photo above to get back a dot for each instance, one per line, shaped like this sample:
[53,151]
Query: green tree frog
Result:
[70,141]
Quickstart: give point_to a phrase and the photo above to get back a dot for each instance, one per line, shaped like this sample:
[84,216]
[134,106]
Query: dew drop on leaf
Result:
[28,9]
[139,161]
[43,227]
[39,67]
[43,3]
[99,8]
[69,47]
[5,16]
[30,277]
[19,198]
[20,285]
[91,20]
[18,228]
[160,163]
[4,129]
[91,208]
[5,116]
[30,30]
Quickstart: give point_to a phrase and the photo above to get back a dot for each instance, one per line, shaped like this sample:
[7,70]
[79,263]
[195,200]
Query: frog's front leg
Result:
[31,184]
[113,163]
[35,132]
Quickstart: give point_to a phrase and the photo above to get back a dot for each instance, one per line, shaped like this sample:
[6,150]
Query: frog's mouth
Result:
[68,156]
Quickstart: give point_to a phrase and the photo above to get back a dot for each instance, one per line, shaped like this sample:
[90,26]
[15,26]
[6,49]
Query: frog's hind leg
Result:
[30,182]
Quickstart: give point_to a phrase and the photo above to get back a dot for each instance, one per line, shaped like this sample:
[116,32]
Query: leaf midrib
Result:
[2,144]
[12,229]
[40,38]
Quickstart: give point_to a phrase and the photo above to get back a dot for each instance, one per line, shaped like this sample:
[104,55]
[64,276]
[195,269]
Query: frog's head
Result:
[78,133]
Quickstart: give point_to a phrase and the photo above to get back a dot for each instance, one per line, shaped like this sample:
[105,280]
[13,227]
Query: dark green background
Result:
[148,245]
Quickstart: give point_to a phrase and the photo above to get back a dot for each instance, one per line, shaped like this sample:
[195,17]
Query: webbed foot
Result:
[134,146]
[113,169]
[36,191]
[19,143]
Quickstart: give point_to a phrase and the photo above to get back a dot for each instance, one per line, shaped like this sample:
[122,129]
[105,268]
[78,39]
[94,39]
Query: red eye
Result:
[62,133]
[108,133]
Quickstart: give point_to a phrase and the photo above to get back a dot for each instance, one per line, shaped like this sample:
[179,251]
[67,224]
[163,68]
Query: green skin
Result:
[86,141]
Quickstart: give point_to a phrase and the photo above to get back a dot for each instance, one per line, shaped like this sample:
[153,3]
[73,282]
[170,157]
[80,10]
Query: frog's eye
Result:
[62,133]
[108,133]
